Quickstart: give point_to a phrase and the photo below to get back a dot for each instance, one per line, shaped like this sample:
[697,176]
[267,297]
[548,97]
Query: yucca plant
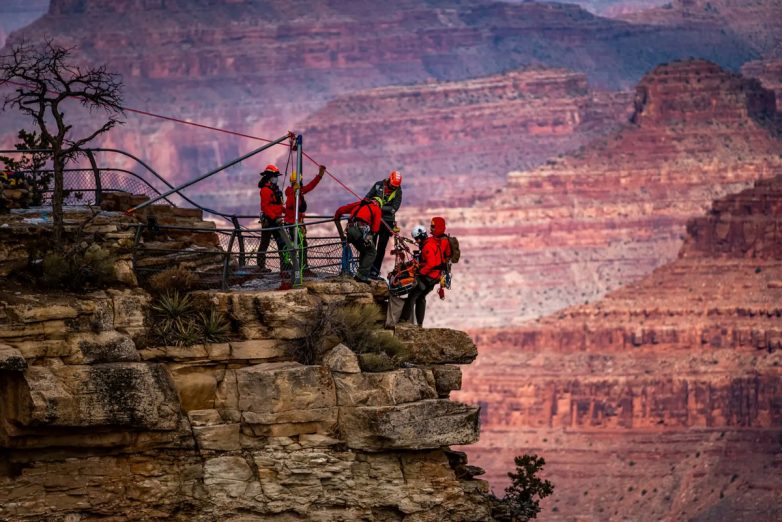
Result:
[173,305]
[214,326]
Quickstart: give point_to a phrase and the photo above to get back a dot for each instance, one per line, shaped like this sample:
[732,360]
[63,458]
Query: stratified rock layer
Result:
[567,232]
[263,67]
[224,431]
[663,400]
[455,141]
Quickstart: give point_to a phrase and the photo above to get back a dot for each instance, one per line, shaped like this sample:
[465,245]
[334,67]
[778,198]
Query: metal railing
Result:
[230,252]
[232,256]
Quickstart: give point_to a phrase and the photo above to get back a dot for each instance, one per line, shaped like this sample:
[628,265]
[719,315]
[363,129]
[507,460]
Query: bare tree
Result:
[45,82]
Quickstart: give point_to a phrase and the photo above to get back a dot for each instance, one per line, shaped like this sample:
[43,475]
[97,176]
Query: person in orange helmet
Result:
[290,209]
[435,252]
[390,191]
[272,212]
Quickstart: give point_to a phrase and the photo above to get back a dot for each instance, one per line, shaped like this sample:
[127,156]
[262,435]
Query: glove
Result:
[260,217]
[321,170]
[441,292]
[396,229]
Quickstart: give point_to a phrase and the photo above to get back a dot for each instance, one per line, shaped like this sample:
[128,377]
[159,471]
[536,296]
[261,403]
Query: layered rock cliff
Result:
[601,217]
[262,67]
[661,401]
[98,421]
[757,23]
[454,141]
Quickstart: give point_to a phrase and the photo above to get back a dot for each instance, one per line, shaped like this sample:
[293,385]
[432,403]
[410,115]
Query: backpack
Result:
[455,252]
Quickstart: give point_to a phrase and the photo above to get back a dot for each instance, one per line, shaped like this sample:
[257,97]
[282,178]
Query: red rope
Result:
[226,131]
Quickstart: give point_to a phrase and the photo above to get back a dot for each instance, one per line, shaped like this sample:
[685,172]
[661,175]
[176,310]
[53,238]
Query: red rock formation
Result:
[661,401]
[464,134]
[261,67]
[758,23]
[769,72]
[594,220]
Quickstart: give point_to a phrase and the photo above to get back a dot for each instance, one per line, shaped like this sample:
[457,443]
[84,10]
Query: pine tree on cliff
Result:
[45,81]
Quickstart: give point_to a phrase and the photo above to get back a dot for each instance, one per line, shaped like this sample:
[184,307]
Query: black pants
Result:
[382,242]
[283,244]
[417,297]
[365,246]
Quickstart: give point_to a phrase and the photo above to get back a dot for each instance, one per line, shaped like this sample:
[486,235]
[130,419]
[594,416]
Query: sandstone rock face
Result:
[569,231]
[224,431]
[661,401]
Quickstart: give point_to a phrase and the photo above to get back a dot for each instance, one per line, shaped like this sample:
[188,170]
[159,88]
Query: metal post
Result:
[208,174]
[96,173]
[227,262]
[297,255]
[238,231]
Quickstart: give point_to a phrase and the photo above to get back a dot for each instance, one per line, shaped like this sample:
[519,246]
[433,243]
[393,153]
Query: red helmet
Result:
[271,168]
[395,179]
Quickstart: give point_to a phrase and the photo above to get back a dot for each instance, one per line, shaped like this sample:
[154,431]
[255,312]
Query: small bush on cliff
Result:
[357,326]
[522,498]
[176,322]
[78,268]
[173,279]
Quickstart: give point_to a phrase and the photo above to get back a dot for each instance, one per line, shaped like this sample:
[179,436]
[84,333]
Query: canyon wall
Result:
[15,14]
[262,68]
[608,214]
[454,141]
[757,23]
[662,400]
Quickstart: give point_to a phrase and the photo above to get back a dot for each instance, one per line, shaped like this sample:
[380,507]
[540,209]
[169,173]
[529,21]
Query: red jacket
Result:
[369,213]
[271,206]
[434,252]
[290,200]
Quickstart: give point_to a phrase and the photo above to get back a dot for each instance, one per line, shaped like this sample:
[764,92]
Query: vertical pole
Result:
[297,255]
[227,262]
[238,232]
[96,173]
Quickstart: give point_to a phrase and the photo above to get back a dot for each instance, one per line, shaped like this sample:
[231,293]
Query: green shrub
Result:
[177,322]
[214,326]
[173,279]
[376,362]
[522,498]
[78,268]
[358,326]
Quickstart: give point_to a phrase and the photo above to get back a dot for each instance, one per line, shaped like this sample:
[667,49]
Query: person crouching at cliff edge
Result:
[271,219]
[362,229]
[436,249]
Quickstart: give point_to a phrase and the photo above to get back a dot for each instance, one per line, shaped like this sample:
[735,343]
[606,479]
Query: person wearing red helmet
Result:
[271,220]
[363,226]
[435,251]
[390,191]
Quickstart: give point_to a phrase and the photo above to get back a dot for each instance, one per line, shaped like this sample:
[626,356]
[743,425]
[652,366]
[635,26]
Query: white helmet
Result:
[419,232]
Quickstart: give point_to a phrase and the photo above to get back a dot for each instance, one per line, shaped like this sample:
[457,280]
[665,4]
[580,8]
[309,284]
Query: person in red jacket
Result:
[363,226]
[272,212]
[290,210]
[435,252]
